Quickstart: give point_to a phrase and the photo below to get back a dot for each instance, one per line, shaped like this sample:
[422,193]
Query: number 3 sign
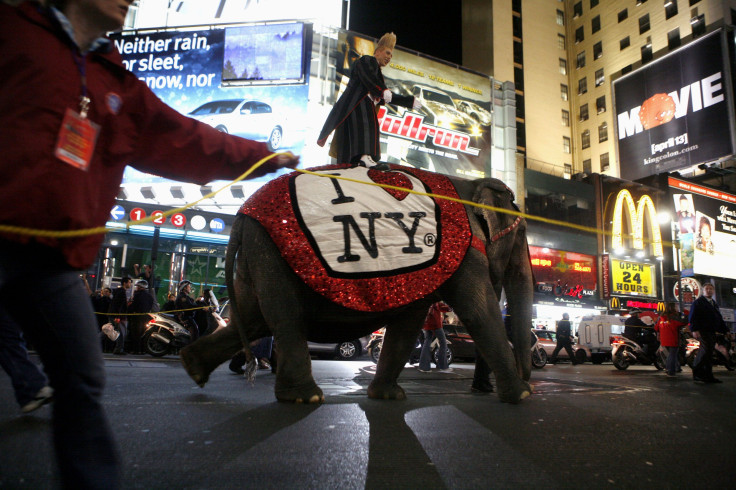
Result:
[178,220]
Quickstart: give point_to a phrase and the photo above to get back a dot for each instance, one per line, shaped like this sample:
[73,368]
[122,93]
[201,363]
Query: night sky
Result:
[432,28]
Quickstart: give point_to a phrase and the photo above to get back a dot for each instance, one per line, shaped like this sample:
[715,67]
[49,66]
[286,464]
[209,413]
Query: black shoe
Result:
[120,353]
[713,380]
[482,388]
[235,368]
[698,379]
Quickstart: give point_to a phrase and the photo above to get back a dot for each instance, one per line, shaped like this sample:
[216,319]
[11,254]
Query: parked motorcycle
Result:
[376,342]
[163,334]
[723,355]
[626,352]
[539,355]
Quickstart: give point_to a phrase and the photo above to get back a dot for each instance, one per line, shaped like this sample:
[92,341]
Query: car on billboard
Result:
[441,111]
[250,119]
[476,112]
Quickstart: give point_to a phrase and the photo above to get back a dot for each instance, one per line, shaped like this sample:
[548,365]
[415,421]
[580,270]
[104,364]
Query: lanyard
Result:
[84,100]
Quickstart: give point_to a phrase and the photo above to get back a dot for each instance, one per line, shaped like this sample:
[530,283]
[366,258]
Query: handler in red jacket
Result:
[433,328]
[668,328]
[72,118]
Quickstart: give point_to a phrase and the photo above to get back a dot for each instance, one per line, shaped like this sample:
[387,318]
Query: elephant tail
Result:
[234,247]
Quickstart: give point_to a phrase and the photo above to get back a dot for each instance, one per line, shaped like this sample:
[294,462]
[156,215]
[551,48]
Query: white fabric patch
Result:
[337,215]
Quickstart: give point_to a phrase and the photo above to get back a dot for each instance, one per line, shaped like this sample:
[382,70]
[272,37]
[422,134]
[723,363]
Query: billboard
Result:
[451,133]
[706,225]
[564,278]
[674,112]
[261,102]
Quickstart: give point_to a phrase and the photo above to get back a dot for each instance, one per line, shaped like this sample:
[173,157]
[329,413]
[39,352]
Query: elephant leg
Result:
[470,293]
[398,342]
[204,355]
[281,298]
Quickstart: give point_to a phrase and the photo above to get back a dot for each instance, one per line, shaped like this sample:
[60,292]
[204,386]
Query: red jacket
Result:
[434,316]
[669,331]
[40,80]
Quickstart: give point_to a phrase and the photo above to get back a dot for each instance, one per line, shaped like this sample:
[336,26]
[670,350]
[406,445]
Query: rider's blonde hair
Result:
[387,41]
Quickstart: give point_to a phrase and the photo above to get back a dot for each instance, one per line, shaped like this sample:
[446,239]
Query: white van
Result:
[594,333]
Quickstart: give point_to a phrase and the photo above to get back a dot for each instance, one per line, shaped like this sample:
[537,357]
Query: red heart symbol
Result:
[397,179]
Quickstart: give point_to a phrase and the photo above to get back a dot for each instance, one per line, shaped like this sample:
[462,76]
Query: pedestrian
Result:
[354,118]
[146,274]
[141,303]
[705,321]
[30,385]
[188,306]
[118,313]
[668,329]
[73,117]
[433,329]
[101,304]
[564,339]
[170,304]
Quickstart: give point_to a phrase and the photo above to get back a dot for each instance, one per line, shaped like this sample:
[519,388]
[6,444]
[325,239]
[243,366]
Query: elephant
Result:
[270,294]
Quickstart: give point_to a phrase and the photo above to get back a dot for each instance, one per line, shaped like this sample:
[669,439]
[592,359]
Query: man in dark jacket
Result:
[705,321]
[185,302]
[118,313]
[142,302]
[353,117]
[563,339]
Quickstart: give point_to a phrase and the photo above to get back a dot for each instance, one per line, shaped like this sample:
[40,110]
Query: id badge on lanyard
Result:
[78,135]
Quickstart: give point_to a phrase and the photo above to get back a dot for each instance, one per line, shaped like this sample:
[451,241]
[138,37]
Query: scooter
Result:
[376,343]
[626,352]
[539,355]
[724,353]
[163,334]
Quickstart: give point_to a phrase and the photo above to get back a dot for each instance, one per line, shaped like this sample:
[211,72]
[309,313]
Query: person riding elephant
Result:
[307,261]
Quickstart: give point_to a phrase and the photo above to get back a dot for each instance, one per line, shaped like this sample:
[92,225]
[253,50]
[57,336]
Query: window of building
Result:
[516,26]
[581,60]
[568,170]
[646,53]
[643,23]
[624,43]
[598,50]
[587,167]
[693,2]
[565,118]
[563,67]
[577,9]
[520,105]
[698,25]
[623,15]
[639,2]
[673,38]
[563,91]
[603,132]
[579,35]
[733,16]
[520,134]
[593,3]
[599,77]
[561,42]
[582,86]
[566,144]
[516,6]
[584,112]
[670,8]
[519,78]
[518,53]
[585,139]
[600,104]
[560,18]
[626,69]
[604,162]
[596,24]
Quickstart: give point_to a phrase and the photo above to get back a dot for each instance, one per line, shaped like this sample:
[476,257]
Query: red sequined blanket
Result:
[362,246]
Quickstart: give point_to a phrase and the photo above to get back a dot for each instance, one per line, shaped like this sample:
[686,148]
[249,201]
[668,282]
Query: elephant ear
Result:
[493,193]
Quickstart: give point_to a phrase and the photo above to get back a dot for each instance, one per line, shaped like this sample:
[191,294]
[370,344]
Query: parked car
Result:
[548,341]
[247,118]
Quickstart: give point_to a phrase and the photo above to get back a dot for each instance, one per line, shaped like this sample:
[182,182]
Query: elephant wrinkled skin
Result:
[269,298]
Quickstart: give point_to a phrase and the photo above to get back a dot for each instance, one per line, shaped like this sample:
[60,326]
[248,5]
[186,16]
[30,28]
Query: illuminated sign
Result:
[568,276]
[632,278]
[636,222]
[690,289]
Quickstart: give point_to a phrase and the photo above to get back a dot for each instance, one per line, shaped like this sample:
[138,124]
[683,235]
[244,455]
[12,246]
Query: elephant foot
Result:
[516,394]
[386,392]
[194,367]
[312,394]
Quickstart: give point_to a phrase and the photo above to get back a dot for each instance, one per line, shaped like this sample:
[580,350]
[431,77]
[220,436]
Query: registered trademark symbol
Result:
[430,239]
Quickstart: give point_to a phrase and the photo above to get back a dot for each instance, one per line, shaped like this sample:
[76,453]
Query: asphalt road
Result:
[584,427]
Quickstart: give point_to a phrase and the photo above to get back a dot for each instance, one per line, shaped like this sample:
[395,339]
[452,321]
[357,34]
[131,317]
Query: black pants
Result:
[568,348]
[703,364]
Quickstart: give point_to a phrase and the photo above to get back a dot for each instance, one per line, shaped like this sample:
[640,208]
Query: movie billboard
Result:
[706,224]
[674,112]
[185,69]
[451,133]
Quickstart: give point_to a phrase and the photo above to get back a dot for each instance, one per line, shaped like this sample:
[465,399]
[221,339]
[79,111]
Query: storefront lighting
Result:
[177,192]
[148,193]
[113,242]
[618,251]
[545,250]
[661,258]
[640,254]
[237,191]
[637,211]
[664,217]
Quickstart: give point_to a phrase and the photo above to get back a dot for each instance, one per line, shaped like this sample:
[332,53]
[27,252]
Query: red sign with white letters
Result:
[137,214]
[178,220]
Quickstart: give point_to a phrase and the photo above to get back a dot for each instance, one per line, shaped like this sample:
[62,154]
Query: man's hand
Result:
[387,96]
[696,335]
[286,159]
